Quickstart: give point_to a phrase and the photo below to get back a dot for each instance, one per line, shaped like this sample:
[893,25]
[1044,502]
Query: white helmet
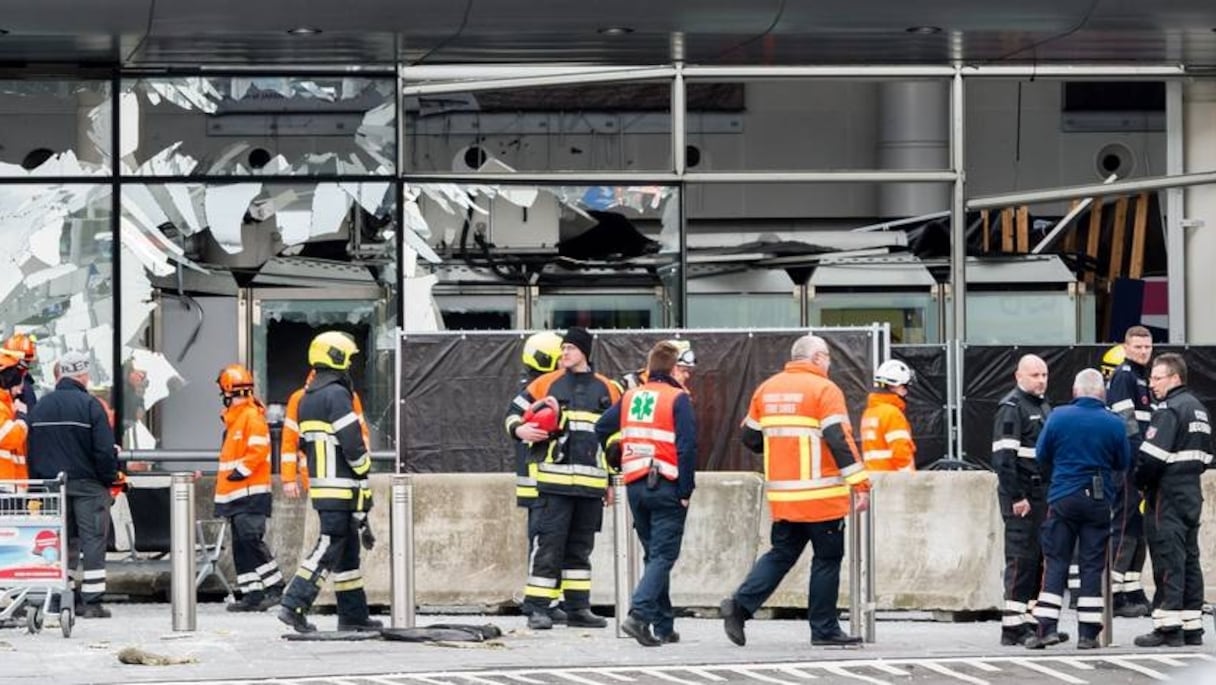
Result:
[893,372]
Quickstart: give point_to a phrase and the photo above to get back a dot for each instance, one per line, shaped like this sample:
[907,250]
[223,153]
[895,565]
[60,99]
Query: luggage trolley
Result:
[34,568]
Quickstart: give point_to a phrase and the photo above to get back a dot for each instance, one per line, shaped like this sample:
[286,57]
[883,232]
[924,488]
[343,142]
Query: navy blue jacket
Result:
[1128,395]
[1079,441]
[686,434]
[70,433]
[28,395]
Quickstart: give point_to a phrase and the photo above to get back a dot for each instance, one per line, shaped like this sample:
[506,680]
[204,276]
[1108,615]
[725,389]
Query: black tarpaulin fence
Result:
[456,388]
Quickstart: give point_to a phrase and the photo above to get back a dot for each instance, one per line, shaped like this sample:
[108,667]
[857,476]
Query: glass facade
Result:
[170,225]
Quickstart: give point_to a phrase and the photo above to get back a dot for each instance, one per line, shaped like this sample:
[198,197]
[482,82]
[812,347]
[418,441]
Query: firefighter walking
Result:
[886,435]
[799,421]
[1128,396]
[571,481]
[338,467]
[1177,448]
[1021,491]
[243,493]
[657,434]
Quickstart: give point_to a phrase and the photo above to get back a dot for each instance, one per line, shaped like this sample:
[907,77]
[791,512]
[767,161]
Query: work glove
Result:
[120,485]
[366,537]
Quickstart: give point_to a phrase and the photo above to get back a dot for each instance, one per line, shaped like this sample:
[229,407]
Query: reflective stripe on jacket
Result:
[886,436]
[242,481]
[648,432]
[332,439]
[293,463]
[810,458]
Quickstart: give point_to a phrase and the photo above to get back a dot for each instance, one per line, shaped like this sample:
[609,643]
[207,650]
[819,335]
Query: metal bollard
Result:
[621,548]
[853,552]
[402,551]
[1108,610]
[181,552]
[868,571]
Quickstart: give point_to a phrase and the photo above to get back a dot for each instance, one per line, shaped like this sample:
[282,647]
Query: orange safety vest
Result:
[292,460]
[803,481]
[648,431]
[12,441]
[246,450]
[886,437]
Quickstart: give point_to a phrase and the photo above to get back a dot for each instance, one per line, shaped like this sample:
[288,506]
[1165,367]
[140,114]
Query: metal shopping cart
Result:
[34,569]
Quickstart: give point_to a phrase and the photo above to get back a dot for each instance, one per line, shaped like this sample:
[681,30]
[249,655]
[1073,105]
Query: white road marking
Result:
[668,677]
[708,675]
[1047,670]
[888,668]
[762,678]
[797,672]
[938,668]
[981,666]
[840,671]
[1132,666]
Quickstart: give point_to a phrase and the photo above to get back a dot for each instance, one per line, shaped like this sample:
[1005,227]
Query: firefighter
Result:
[1021,491]
[1128,396]
[293,463]
[541,354]
[886,436]
[657,432]
[571,482]
[1177,448]
[682,373]
[338,467]
[799,422]
[1082,451]
[243,492]
[27,346]
[12,422]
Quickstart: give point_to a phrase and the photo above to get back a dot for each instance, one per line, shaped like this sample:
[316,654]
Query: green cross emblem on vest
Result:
[642,406]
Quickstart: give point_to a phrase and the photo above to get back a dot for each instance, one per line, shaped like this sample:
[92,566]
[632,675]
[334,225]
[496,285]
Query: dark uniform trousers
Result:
[560,562]
[789,539]
[1078,522]
[88,525]
[658,517]
[1023,561]
[1171,525]
[1127,539]
[337,551]
[256,568]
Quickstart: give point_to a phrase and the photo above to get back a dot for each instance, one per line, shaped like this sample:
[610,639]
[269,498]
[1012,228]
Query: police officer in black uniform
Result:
[1128,396]
[1023,494]
[338,463]
[1177,448]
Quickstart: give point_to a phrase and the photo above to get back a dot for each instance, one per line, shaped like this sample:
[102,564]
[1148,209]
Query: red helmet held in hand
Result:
[546,413]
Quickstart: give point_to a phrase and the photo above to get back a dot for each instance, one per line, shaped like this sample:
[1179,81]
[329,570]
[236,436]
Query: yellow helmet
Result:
[1111,360]
[542,351]
[333,350]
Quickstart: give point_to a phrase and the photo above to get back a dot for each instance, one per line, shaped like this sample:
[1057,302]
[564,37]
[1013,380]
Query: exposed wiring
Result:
[1093,5]
[147,32]
[464,21]
[772,25]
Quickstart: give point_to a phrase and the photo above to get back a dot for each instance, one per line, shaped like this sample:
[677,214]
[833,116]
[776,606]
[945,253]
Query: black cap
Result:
[580,338]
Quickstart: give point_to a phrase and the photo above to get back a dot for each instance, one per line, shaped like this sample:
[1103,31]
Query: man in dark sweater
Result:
[1082,450]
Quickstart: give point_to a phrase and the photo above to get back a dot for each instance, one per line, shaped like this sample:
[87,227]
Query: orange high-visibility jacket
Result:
[292,461]
[810,459]
[242,482]
[648,431]
[12,441]
[886,437]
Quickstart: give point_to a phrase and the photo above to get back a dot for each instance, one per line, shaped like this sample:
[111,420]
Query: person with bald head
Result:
[1082,451]
[1022,492]
[799,422]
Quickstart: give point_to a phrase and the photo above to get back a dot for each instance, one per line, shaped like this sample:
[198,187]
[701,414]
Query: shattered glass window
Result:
[473,239]
[56,276]
[54,128]
[597,127]
[250,272]
[251,126]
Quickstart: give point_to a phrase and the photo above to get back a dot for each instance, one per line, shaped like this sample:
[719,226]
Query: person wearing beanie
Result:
[571,481]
